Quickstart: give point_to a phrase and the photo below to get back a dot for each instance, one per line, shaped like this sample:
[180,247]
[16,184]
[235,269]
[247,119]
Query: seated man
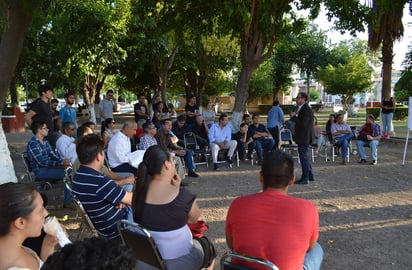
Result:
[201,130]
[120,146]
[220,137]
[287,236]
[164,139]
[149,139]
[244,141]
[342,134]
[65,144]
[103,200]
[260,136]
[44,162]
[369,135]
[179,128]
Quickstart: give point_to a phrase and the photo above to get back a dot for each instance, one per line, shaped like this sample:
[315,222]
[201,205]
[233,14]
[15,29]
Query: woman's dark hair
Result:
[16,201]
[152,164]
[96,253]
[277,169]
[106,124]
[36,125]
[88,147]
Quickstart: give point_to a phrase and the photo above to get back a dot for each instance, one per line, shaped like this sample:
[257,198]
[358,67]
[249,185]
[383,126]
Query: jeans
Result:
[373,144]
[343,142]
[241,149]
[266,144]
[313,259]
[304,162]
[47,174]
[387,122]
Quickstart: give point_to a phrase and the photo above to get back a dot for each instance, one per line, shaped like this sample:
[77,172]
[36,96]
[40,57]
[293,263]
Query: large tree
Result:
[16,17]
[257,24]
[385,27]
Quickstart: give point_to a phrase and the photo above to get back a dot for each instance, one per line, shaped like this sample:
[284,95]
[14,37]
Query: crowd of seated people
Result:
[160,202]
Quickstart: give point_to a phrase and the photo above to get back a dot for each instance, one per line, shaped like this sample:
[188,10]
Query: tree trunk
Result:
[164,70]
[387,58]
[13,92]
[89,93]
[17,20]
[241,96]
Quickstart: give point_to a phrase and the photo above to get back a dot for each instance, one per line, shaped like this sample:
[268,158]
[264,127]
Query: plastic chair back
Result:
[141,242]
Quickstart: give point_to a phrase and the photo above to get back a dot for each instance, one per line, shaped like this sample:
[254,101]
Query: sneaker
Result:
[374,162]
[215,167]
[345,161]
[362,161]
[229,160]
[192,174]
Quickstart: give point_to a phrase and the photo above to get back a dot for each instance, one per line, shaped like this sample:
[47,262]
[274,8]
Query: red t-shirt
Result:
[273,226]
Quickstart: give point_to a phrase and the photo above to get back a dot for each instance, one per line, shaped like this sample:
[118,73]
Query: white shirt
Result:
[118,149]
[66,148]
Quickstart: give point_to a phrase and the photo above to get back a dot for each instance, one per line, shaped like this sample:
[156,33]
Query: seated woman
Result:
[22,216]
[164,207]
[108,131]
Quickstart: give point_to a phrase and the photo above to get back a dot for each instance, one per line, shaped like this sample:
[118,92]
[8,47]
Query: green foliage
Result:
[347,79]
[403,88]
[261,83]
[313,94]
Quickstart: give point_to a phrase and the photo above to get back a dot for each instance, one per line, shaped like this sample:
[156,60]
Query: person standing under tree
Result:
[40,110]
[275,121]
[303,136]
[107,106]
[387,109]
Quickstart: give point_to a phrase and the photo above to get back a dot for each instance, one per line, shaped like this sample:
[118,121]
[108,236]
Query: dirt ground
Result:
[365,211]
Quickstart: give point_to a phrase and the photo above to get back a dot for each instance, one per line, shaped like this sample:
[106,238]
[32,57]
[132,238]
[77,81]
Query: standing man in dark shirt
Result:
[304,135]
[192,110]
[140,109]
[41,111]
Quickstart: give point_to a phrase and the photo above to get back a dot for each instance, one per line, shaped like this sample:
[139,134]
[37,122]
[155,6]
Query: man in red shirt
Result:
[272,225]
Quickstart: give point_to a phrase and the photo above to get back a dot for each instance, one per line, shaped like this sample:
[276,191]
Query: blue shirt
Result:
[217,134]
[275,117]
[100,195]
[41,154]
[68,114]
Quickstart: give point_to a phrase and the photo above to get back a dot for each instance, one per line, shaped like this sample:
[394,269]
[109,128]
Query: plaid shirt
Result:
[41,154]
[376,129]
[146,141]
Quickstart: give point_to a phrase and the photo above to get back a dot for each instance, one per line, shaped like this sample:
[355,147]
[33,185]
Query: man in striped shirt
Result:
[105,202]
